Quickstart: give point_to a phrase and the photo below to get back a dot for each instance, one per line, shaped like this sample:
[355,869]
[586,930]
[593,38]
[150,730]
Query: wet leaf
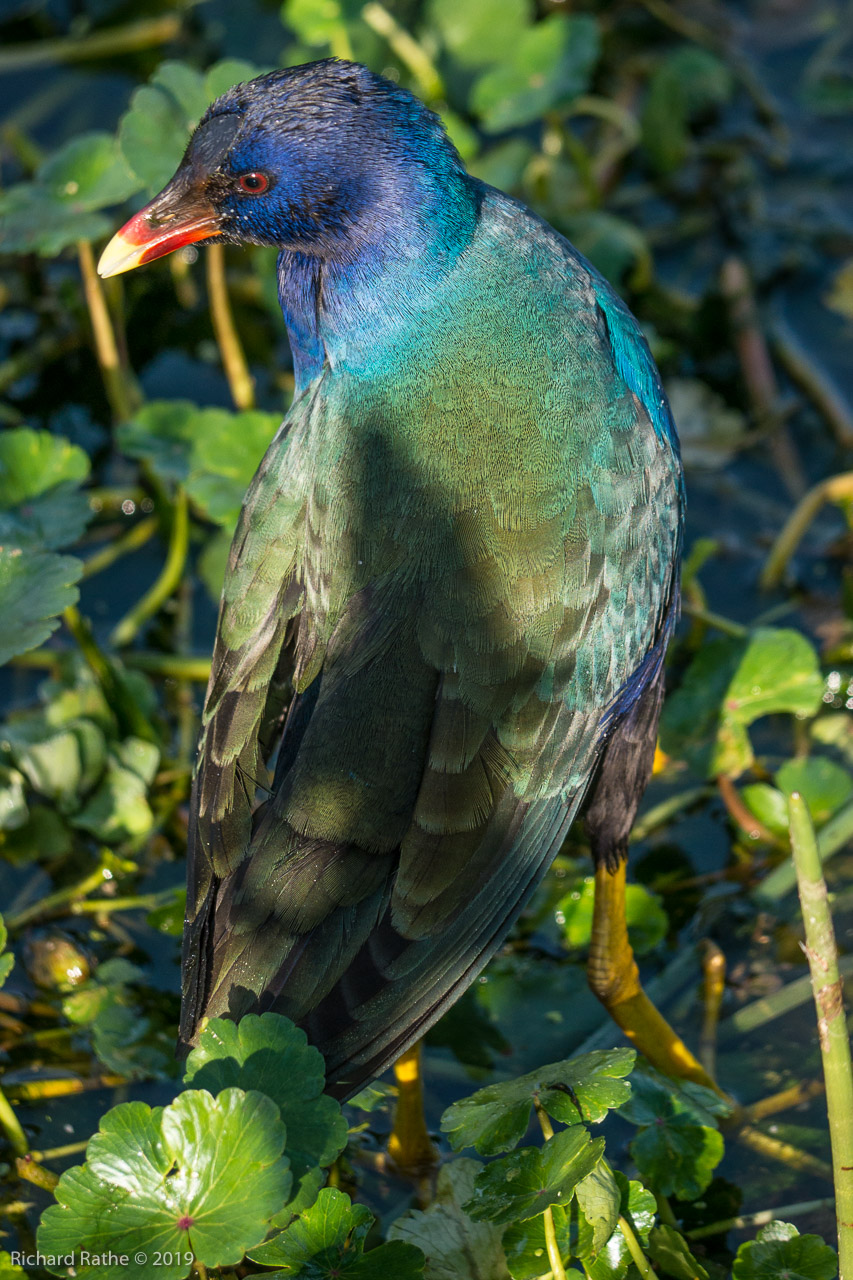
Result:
[668,1250]
[270,1054]
[730,684]
[35,586]
[455,1247]
[824,785]
[599,1199]
[90,172]
[214,452]
[496,1118]
[328,1240]
[677,1148]
[41,505]
[768,805]
[201,1177]
[118,809]
[780,1250]
[7,960]
[169,918]
[522,1184]
[551,64]
[647,920]
[61,764]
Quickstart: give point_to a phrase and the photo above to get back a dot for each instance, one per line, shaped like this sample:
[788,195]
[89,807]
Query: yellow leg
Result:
[410,1146]
[613,976]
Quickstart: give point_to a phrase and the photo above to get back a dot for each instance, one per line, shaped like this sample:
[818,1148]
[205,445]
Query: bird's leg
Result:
[613,976]
[410,1146]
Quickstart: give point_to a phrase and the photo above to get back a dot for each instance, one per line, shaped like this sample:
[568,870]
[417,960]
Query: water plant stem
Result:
[240,381]
[835,489]
[832,1025]
[31,1171]
[47,905]
[168,580]
[715,620]
[132,540]
[131,717]
[407,49]
[119,385]
[557,1269]
[59,1153]
[640,1260]
[833,837]
[169,666]
[12,1127]
[794,1096]
[100,44]
[713,986]
[760,1219]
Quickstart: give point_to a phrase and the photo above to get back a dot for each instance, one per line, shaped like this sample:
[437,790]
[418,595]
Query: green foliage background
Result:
[695,153]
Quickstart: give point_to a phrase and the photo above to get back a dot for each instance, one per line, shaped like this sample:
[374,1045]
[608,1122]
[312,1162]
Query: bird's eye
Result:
[254,184]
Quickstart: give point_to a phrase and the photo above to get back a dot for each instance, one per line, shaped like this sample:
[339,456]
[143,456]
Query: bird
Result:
[450,592]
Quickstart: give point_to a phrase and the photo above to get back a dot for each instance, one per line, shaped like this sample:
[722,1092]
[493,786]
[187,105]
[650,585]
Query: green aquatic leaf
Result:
[496,1118]
[270,1054]
[523,1184]
[648,923]
[43,835]
[214,452]
[730,684]
[155,130]
[599,1199]
[479,33]
[89,171]
[455,1247]
[13,804]
[9,1270]
[200,1178]
[689,81]
[61,764]
[34,221]
[118,809]
[668,1251]
[327,1240]
[550,64]
[41,505]
[7,960]
[780,1251]
[768,805]
[35,586]
[824,785]
[678,1146]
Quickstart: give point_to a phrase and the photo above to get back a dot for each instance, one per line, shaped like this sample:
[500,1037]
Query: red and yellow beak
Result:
[171,221]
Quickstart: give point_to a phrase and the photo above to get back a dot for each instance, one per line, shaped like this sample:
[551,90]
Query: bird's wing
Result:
[456,641]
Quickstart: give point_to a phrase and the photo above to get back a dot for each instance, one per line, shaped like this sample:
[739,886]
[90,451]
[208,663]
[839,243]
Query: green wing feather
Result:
[443,577]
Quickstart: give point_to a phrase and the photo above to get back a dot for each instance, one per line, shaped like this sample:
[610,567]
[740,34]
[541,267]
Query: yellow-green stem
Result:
[166,583]
[166,665]
[130,541]
[640,1260]
[407,49]
[12,1127]
[47,905]
[240,380]
[835,489]
[748,1220]
[59,1153]
[35,1173]
[100,44]
[557,1269]
[832,1025]
[118,381]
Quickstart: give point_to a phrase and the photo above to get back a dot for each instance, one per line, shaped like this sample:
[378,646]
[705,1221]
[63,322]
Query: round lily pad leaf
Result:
[327,1241]
[40,503]
[269,1053]
[35,586]
[578,1090]
[200,1178]
[780,1250]
[90,172]
[525,1183]
[551,63]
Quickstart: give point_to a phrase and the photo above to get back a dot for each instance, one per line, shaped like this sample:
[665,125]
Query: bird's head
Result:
[321,159]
